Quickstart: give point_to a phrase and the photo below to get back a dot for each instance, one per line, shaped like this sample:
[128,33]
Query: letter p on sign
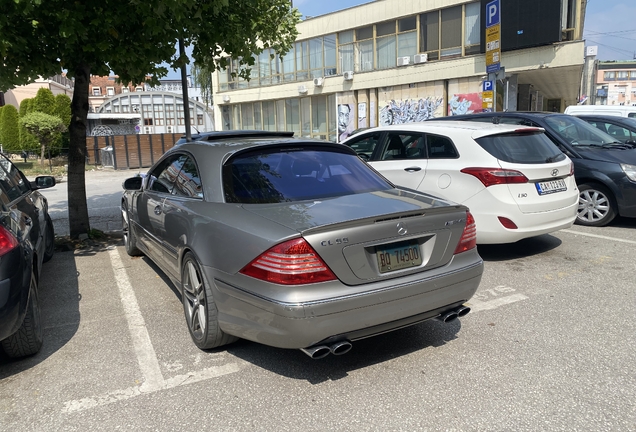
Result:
[492,13]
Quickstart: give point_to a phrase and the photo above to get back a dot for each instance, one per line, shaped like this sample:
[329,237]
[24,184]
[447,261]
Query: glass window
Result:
[407,24]
[302,60]
[345,37]
[188,182]
[315,55]
[622,75]
[609,76]
[269,116]
[346,57]
[472,31]
[158,114]
[258,122]
[439,147]
[525,148]
[330,54]
[365,145]
[280,115]
[401,145]
[386,52]
[293,115]
[264,73]
[163,177]
[451,31]
[331,113]
[429,34]
[364,33]
[263,177]
[16,184]
[384,29]
[289,62]
[319,116]
[247,115]
[305,116]
[365,56]
[169,114]
[407,44]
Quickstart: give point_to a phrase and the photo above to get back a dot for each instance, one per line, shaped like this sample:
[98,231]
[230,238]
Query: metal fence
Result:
[128,151]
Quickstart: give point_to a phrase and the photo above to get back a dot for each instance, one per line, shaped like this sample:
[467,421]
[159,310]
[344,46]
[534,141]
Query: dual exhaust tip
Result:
[453,314]
[344,346]
[320,351]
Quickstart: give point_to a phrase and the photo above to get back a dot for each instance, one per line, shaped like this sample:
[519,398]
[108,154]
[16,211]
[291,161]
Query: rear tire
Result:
[596,205]
[200,311]
[49,248]
[130,240]
[28,339]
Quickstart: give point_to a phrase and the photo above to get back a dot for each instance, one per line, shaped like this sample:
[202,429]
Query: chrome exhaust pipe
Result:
[340,348]
[448,316]
[462,311]
[317,352]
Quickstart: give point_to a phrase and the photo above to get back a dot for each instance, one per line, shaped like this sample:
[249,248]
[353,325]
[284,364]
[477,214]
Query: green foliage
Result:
[62,108]
[44,101]
[9,133]
[28,142]
[46,128]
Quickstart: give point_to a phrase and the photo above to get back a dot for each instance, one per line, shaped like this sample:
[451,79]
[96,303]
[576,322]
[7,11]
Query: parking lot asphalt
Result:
[549,345]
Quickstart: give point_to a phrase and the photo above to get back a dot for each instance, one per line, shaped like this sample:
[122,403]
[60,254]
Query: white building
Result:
[396,61]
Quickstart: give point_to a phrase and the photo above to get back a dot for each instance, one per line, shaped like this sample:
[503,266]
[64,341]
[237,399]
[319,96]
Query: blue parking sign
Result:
[492,13]
[487,86]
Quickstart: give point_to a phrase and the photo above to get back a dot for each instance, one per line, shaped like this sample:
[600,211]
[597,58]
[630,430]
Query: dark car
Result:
[26,241]
[604,167]
[621,128]
[297,243]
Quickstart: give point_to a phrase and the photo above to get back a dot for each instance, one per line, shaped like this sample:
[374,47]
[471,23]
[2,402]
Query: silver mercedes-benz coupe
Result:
[297,243]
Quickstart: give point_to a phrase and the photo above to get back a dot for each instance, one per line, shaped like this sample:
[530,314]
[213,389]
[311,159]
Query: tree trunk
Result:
[77,206]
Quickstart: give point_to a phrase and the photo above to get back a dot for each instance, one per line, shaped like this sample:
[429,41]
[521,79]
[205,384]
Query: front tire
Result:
[596,205]
[49,248]
[200,311]
[130,240]
[28,339]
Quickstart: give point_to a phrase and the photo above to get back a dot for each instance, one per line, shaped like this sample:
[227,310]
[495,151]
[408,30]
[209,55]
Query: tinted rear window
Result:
[296,175]
[524,148]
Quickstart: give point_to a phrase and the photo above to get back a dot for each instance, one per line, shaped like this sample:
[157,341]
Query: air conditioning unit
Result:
[420,58]
[318,82]
[302,89]
[147,130]
[348,75]
[403,61]
[168,129]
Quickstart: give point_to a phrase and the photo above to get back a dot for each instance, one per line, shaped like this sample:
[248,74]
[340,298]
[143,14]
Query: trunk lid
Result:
[355,235]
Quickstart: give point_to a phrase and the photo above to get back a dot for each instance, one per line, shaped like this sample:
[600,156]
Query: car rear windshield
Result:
[524,148]
[286,175]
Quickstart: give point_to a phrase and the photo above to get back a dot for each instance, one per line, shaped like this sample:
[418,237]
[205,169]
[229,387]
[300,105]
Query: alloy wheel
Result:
[194,292]
[593,206]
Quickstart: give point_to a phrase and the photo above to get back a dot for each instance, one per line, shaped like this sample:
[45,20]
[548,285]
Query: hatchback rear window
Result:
[524,148]
[295,175]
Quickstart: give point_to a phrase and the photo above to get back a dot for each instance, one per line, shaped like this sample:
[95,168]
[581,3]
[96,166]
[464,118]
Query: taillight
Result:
[8,242]
[469,237]
[293,262]
[496,176]
[571,168]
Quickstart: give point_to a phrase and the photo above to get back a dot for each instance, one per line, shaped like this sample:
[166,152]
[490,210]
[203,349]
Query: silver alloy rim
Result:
[195,301]
[593,206]
[124,228]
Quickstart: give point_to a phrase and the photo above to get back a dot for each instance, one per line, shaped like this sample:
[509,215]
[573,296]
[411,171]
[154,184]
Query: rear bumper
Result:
[300,325]
[491,231]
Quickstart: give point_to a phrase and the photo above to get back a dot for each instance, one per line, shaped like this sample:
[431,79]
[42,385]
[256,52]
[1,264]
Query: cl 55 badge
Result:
[337,241]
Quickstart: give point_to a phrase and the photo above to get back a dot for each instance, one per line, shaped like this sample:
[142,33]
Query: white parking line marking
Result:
[599,236]
[478,305]
[146,356]
[131,392]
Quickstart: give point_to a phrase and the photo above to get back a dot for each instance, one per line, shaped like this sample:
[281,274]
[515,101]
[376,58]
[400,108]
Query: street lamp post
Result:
[184,90]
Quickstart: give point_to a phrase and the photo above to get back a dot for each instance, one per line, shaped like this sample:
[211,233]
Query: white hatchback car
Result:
[515,181]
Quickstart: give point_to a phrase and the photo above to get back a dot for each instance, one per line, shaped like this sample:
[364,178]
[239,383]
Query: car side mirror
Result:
[43,182]
[133,183]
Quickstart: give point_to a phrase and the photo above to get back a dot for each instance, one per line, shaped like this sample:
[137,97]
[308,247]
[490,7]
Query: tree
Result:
[9,133]
[27,141]
[130,39]
[62,110]
[44,101]
[46,128]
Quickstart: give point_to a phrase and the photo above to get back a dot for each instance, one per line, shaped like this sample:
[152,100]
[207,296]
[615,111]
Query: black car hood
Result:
[608,155]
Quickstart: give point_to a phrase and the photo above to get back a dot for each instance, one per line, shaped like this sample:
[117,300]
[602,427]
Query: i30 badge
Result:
[402,228]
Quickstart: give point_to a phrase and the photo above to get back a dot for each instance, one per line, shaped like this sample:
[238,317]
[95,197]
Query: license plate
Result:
[551,186]
[398,256]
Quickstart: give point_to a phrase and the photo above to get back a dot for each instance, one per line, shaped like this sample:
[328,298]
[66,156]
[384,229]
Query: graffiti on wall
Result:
[346,121]
[466,103]
[410,110]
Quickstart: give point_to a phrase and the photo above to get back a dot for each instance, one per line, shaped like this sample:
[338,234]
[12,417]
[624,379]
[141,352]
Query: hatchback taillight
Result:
[8,242]
[496,176]
[293,262]
[469,237]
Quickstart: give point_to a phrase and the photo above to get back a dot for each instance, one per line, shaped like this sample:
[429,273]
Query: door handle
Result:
[27,220]
[158,210]
[412,169]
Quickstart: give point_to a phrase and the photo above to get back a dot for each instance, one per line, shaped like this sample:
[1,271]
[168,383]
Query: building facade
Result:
[615,83]
[58,84]
[392,62]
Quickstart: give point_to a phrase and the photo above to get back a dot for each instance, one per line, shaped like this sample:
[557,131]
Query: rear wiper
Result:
[552,159]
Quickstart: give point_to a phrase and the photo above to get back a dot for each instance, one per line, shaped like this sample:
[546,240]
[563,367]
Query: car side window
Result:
[188,182]
[440,147]
[618,132]
[365,145]
[403,145]
[632,115]
[163,177]
[12,180]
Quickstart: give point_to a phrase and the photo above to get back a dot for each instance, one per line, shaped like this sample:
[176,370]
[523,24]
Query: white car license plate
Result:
[551,186]
[398,256]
